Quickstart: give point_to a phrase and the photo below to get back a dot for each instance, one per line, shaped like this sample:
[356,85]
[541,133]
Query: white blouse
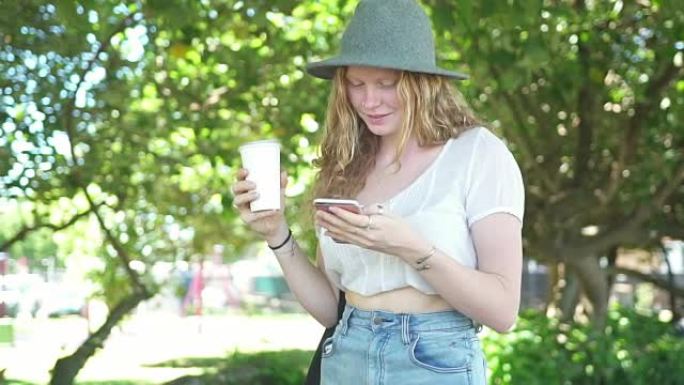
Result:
[473,176]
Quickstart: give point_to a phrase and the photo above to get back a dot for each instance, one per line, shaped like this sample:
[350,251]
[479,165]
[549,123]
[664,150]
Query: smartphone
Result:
[347,204]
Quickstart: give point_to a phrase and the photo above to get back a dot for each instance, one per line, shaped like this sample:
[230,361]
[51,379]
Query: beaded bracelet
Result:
[420,263]
[289,235]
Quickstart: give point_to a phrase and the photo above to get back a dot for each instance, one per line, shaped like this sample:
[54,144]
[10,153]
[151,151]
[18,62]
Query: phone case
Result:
[346,204]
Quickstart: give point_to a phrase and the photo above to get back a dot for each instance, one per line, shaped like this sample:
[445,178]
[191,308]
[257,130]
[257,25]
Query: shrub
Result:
[286,367]
[634,349]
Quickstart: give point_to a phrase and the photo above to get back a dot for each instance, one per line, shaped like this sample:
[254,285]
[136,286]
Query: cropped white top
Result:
[473,176]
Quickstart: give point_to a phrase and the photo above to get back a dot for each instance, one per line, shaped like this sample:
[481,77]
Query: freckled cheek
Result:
[355,98]
[391,99]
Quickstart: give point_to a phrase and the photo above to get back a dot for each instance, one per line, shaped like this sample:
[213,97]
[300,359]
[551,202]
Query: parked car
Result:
[30,295]
[61,299]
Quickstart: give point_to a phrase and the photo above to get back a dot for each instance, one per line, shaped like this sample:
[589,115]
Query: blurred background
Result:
[122,262]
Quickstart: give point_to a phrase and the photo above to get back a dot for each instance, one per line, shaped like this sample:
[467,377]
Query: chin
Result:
[381,133]
[382,130]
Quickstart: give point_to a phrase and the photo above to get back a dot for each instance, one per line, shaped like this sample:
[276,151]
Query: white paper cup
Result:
[262,160]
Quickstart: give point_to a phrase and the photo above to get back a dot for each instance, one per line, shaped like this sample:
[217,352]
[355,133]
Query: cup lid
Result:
[264,142]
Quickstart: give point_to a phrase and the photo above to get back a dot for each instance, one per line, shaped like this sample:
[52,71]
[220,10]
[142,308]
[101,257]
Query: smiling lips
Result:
[376,118]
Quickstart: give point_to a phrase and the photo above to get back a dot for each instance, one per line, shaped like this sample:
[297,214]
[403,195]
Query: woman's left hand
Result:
[375,229]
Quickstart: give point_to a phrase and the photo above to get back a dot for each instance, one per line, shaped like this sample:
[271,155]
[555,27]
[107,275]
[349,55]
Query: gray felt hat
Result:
[394,34]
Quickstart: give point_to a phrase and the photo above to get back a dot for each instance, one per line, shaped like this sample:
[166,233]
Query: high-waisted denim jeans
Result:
[384,348]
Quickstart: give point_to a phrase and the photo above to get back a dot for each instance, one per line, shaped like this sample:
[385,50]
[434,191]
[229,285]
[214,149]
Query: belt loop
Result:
[405,323]
[345,319]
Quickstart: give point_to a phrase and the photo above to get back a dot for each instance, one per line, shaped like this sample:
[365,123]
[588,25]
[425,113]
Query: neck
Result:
[388,150]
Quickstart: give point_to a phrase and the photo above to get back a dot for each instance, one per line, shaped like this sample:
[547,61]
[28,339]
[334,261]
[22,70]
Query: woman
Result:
[437,249]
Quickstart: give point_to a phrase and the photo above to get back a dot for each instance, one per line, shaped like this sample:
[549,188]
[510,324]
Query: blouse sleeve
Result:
[495,183]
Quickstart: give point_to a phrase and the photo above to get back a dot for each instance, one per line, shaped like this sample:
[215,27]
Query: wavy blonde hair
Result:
[433,111]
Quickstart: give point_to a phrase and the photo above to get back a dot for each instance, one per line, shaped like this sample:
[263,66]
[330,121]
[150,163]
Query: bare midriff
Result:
[404,300]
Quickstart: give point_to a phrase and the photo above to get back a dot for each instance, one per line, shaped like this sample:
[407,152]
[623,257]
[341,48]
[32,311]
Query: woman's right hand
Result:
[270,225]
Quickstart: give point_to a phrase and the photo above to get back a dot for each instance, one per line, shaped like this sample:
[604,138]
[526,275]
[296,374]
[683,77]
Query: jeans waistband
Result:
[406,322]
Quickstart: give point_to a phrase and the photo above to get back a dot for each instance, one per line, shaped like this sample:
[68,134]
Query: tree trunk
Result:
[570,295]
[671,282]
[67,368]
[612,262]
[552,290]
[595,287]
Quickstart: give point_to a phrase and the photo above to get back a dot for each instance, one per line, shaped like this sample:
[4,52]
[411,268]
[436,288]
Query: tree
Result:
[130,115]
[133,115]
[589,95]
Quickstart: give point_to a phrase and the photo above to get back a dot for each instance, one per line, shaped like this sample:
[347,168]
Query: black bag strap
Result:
[313,377]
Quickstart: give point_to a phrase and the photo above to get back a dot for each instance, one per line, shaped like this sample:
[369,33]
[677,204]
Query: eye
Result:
[354,84]
[388,84]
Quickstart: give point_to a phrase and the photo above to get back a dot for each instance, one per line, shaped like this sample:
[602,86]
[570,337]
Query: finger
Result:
[329,222]
[339,225]
[242,187]
[245,198]
[357,220]
[242,174]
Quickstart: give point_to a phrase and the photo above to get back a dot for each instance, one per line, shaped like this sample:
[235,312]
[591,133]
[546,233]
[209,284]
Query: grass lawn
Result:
[161,349]
[285,367]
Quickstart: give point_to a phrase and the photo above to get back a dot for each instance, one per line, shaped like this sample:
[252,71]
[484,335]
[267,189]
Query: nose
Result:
[371,98]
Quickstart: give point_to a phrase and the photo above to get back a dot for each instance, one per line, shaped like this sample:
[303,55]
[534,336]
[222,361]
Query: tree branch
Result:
[121,252]
[138,286]
[585,107]
[521,137]
[104,45]
[635,124]
[657,281]
[26,229]
[629,232]
[667,188]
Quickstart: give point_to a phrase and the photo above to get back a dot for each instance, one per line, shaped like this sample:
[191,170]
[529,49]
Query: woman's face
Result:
[373,94]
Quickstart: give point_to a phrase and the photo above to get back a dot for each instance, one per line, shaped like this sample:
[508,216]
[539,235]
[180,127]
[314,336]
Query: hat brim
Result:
[325,69]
